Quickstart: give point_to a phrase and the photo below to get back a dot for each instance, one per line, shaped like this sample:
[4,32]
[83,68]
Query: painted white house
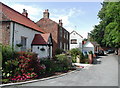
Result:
[75,40]
[18,30]
[88,46]
[42,43]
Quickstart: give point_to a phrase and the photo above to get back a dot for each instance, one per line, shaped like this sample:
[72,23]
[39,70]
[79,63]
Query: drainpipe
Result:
[13,35]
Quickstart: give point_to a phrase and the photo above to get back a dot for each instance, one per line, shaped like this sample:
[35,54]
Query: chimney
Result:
[25,13]
[46,14]
[60,22]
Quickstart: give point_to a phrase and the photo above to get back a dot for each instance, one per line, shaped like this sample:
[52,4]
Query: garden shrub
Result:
[90,52]
[25,66]
[50,65]
[83,58]
[0,56]
[63,62]
[74,52]
[58,51]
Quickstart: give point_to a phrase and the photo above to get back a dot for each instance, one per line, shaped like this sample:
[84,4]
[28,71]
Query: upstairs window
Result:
[60,32]
[73,41]
[64,34]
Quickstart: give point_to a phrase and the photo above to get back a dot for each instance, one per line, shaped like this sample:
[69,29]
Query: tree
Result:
[107,32]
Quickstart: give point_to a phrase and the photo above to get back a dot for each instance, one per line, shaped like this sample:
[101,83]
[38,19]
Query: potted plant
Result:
[19,45]
[42,49]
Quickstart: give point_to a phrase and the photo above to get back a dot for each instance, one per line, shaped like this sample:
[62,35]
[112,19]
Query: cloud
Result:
[36,13]
[33,11]
[66,15]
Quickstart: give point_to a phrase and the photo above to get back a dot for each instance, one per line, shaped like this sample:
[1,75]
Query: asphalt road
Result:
[103,74]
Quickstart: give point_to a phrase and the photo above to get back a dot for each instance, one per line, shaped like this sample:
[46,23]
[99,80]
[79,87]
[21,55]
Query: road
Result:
[103,74]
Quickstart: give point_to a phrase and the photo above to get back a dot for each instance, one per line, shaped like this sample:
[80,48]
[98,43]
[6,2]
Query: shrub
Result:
[63,61]
[50,65]
[58,51]
[90,52]
[0,56]
[84,58]
[25,66]
[74,52]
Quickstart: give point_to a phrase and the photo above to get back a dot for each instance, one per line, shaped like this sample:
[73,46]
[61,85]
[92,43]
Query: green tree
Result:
[107,32]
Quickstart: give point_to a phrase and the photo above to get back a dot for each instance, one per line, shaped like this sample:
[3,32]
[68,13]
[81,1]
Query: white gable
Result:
[77,39]
[88,44]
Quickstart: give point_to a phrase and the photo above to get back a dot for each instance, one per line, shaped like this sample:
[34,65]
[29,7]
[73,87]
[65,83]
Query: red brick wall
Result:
[52,27]
[5,36]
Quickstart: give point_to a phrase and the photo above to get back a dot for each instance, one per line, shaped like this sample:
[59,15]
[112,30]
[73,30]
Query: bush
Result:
[74,52]
[25,66]
[50,65]
[0,56]
[90,52]
[84,58]
[63,61]
[58,51]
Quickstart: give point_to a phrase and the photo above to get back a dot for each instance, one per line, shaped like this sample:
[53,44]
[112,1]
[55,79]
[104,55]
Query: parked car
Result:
[110,51]
[100,52]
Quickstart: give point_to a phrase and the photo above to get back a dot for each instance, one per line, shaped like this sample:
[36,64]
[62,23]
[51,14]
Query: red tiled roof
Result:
[40,39]
[19,18]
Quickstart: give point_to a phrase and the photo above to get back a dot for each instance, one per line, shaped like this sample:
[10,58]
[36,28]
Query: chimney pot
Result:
[46,13]
[25,13]
[60,22]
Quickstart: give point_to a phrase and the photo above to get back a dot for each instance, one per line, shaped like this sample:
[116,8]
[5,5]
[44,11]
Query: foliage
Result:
[8,53]
[108,30]
[50,65]
[59,51]
[74,52]
[63,61]
[90,52]
[0,56]
[25,66]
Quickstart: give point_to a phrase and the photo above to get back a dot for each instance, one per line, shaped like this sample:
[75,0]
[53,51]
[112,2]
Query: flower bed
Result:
[26,66]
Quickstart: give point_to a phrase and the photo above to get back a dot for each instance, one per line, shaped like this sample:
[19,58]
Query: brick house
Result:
[17,28]
[59,34]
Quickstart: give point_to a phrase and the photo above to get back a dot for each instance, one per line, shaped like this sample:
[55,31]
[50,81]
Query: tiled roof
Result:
[45,21]
[19,18]
[41,39]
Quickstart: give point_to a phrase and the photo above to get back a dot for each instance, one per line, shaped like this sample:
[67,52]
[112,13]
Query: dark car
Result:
[110,51]
[100,52]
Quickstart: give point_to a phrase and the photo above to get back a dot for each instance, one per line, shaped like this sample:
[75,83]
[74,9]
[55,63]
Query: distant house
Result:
[59,34]
[17,29]
[75,40]
[90,46]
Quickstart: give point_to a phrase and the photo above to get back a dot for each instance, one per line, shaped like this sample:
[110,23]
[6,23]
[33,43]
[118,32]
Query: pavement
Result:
[99,74]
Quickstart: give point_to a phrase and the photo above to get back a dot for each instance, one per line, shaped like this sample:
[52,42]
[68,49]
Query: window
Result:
[64,33]
[60,32]
[73,41]
[23,42]
[64,46]
[60,45]
[67,34]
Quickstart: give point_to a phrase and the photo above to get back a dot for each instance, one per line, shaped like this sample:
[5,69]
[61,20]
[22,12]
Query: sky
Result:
[78,16]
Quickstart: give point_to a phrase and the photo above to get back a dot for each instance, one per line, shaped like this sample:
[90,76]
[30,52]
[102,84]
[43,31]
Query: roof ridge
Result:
[33,26]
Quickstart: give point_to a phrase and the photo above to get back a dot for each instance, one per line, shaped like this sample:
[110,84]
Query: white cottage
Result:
[90,46]
[17,29]
[42,43]
[75,40]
